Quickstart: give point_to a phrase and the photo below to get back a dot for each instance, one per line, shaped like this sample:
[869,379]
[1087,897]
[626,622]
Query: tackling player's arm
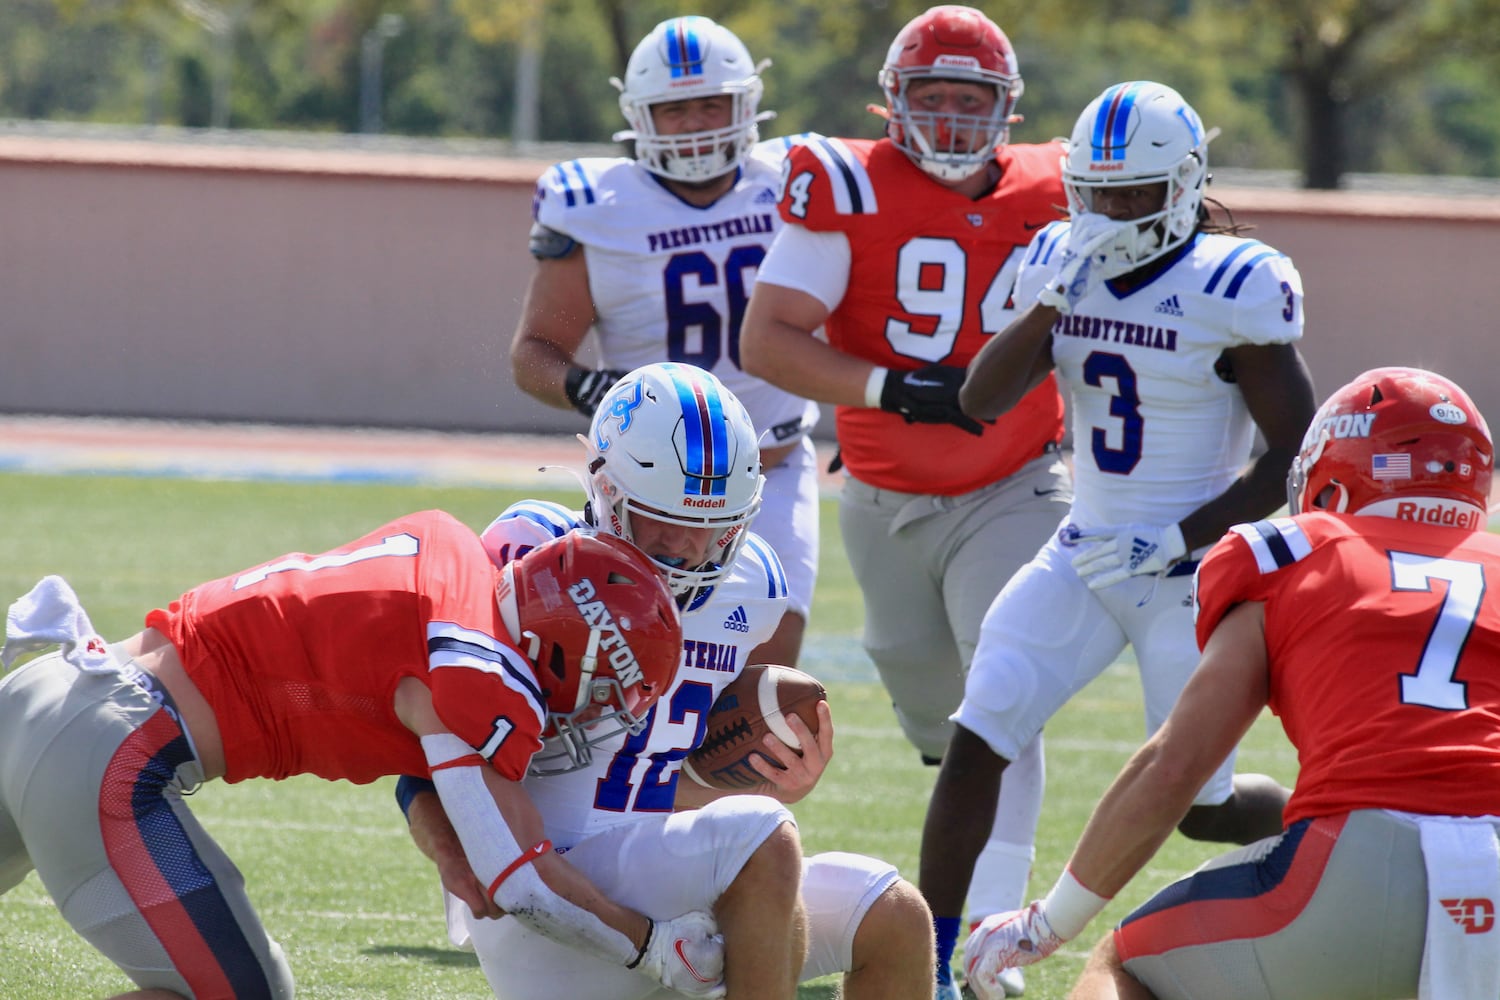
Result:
[504,841]
[1010,364]
[1278,391]
[438,841]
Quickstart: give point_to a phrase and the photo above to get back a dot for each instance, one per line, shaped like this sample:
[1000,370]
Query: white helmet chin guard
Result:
[684,58]
[669,442]
[1135,134]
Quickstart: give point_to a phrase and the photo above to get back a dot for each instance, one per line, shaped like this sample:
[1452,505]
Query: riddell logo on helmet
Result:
[956,62]
[711,503]
[1452,515]
[611,642]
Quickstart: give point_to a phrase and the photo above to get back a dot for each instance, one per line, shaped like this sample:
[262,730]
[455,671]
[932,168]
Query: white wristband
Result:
[875,385]
[1070,906]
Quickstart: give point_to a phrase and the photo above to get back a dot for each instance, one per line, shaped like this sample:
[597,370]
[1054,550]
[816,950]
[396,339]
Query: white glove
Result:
[1086,262]
[1119,551]
[685,954]
[1007,941]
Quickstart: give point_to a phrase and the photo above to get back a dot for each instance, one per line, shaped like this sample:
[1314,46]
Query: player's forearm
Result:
[540,369]
[1255,495]
[793,359]
[1009,365]
[1131,822]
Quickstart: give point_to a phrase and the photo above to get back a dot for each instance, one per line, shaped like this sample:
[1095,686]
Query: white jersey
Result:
[640,777]
[1156,431]
[670,281]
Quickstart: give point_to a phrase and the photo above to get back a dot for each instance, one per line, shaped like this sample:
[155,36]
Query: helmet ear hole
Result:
[558,662]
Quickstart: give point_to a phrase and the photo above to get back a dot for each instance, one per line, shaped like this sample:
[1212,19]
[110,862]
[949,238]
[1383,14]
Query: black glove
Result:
[586,386]
[928,396]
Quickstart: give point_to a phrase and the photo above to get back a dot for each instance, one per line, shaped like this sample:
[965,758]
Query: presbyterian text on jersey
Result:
[686,236]
[1117,332]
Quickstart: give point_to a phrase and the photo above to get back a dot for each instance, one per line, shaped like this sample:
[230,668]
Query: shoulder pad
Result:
[1229,275]
[826,180]
[523,526]
[759,554]
[1275,543]
[549,244]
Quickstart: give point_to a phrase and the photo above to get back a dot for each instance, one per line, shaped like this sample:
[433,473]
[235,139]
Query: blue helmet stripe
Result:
[684,49]
[1112,122]
[705,434]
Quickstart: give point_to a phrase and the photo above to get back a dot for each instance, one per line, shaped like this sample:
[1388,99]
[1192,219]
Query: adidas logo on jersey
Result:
[738,621]
[1170,306]
[766,197]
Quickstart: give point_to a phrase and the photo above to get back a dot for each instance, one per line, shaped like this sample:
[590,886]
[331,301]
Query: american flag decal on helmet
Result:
[705,443]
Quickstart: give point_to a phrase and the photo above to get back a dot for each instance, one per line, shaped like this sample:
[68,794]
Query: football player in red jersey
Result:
[405,651]
[1367,622]
[904,250]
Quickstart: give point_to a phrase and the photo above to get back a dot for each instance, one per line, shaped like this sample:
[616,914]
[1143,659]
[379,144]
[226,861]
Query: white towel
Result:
[50,615]
[457,913]
[1461,959]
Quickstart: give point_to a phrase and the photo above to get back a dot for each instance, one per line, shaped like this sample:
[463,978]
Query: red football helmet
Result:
[950,43]
[596,618]
[1399,442]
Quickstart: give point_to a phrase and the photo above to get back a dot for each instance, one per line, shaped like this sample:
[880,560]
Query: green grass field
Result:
[329,865]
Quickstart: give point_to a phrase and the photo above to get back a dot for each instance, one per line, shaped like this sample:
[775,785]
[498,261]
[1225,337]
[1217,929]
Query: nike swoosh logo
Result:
[1033,225]
[682,957]
[923,383]
[1045,493]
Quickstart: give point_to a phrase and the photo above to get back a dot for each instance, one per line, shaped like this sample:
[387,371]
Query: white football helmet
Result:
[680,59]
[950,43]
[1135,134]
[670,442]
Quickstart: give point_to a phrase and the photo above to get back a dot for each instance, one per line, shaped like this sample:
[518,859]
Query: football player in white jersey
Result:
[1176,342]
[673,467]
[658,255]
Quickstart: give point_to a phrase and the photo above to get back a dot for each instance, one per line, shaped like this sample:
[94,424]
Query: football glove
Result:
[1119,551]
[1086,262]
[685,954]
[928,396]
[1007,941]
[584,387]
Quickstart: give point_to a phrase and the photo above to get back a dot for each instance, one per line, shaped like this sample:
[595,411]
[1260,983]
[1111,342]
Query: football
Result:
[755,703]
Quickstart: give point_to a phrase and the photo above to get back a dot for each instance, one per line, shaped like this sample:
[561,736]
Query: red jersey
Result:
[300,657]
[930,280]
[1383,638]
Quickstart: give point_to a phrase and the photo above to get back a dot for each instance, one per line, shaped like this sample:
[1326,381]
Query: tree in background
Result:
[1327,86]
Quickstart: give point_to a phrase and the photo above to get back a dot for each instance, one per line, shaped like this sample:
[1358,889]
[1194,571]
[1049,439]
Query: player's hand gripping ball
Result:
[755,703]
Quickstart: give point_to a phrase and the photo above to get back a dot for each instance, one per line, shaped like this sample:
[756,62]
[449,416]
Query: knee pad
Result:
[838,889]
